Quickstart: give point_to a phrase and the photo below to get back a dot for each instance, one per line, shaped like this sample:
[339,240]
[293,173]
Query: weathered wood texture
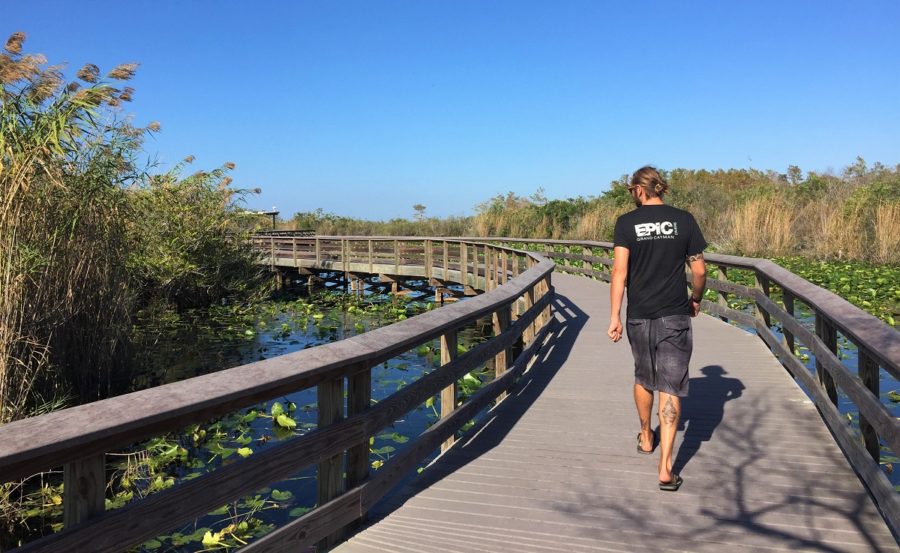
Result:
[554,467]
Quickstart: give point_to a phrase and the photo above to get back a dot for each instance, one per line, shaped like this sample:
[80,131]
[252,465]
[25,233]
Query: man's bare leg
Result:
[669,413]
[643,399]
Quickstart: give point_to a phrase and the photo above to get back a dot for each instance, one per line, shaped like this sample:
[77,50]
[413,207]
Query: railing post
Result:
[788,300]
[528,334]
[448,394]
[294,249]
[359,398]
[827,333]
[396,257]
[318,253]
[868,373]
[345,255]
[272,258]
[490,270]
[429,253]
[487,277]
[504,270]
[502,359]
[446,260]
[545,289]
[371,257]
[464,264]
[567,262]
[84,487]
[762,284]
[722,300]
[329,479]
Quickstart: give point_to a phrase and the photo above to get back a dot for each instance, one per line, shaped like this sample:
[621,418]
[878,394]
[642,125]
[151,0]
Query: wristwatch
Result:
[695,300]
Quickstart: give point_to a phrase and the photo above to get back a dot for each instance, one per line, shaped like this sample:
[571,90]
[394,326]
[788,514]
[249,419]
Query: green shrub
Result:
[189,240]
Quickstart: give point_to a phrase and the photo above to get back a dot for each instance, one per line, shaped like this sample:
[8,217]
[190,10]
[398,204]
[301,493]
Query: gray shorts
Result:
[662,351]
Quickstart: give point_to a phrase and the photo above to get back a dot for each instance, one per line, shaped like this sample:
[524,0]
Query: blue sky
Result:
[366,108]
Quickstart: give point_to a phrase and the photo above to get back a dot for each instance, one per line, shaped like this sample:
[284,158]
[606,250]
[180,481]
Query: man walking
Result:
[652,245]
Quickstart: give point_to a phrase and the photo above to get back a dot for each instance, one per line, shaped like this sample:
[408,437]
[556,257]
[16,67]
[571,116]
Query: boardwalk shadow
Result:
[497,423]
[758,496]
[704,409]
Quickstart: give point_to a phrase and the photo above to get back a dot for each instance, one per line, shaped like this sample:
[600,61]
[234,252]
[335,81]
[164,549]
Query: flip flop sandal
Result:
[672,485]
[640,449]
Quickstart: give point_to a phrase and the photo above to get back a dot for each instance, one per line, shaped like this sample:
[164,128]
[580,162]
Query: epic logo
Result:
[646,229]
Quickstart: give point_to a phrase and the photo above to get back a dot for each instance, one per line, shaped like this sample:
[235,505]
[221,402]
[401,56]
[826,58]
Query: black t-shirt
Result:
[659,239]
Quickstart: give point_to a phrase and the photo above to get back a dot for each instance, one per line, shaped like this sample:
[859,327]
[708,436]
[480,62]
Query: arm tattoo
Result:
[695,257]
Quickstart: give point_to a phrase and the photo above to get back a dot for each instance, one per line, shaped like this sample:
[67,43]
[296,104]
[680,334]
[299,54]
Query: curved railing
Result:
[518,299]
[774,297]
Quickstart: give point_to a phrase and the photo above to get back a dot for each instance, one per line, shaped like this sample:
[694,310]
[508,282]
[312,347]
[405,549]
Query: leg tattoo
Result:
[669,412]
[645,423]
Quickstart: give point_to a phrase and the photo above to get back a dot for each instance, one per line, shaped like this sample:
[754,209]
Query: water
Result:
[228,336]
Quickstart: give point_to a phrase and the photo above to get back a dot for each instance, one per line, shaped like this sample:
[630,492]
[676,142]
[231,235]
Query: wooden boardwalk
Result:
[554,468]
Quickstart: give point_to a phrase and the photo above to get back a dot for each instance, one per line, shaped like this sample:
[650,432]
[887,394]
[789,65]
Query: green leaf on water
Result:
[429,402]
[298,511]
[894,396]
[277,409]
[285,421]
[279,495]
[245,452]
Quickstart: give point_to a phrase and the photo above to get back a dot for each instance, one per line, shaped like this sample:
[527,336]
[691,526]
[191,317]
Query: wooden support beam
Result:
[359,398]
[827,333]
[429,258]
[868,373]
[502,359]
[762,284]
[464,264]
[723,295]
[330,475]
[84,486]
[487,277]
[448,394]
[397,257]
[446,260]
[788,337]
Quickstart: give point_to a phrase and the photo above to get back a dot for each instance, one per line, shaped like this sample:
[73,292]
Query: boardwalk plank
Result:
[553,468]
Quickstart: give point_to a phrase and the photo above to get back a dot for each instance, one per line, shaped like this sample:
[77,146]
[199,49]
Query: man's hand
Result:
[695,308]
[615,329]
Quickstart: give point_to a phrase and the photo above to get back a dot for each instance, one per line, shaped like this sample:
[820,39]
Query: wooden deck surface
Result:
[554,467]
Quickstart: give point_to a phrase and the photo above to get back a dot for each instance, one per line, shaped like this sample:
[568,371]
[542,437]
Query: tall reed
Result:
[760,227]
[886,244]
[63,293]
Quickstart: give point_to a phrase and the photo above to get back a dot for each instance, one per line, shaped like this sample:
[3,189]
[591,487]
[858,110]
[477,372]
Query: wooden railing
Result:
[78,439]
[878,345]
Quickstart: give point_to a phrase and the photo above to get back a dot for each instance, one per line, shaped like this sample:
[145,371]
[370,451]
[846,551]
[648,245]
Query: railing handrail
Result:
[67,436]
[51,439]
[862,328]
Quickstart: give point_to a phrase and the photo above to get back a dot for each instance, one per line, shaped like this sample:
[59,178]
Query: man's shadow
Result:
[704,409]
